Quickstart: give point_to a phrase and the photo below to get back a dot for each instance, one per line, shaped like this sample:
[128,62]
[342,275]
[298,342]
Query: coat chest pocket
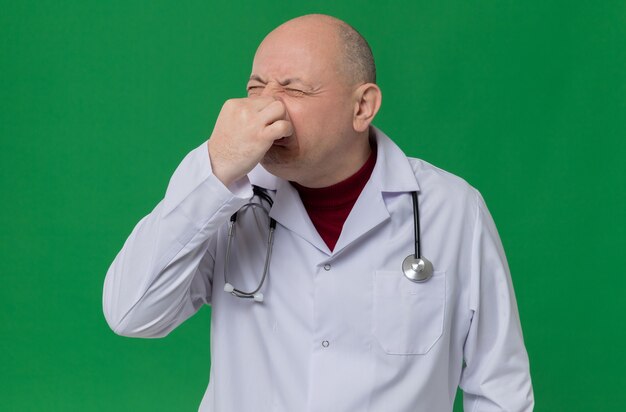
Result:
[408,316]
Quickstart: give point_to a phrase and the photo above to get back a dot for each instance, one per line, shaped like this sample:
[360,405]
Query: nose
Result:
[272,90]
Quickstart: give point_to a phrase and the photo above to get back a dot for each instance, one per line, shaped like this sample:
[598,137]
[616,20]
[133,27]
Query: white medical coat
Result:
[340,330]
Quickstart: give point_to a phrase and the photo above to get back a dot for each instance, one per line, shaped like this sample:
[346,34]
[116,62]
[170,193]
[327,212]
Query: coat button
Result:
[327,267]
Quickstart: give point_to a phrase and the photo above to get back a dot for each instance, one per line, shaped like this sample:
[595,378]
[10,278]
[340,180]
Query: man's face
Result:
[300,67]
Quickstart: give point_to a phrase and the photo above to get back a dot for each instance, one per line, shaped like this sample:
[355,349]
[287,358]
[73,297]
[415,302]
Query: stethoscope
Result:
[415,266]
[228,287]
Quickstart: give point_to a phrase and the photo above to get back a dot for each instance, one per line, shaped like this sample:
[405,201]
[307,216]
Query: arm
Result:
[163,274]
[496,376]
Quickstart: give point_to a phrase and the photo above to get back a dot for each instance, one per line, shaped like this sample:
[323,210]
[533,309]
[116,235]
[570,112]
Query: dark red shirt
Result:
[329,207]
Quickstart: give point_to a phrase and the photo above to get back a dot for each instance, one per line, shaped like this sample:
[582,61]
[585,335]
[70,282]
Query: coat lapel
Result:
[288,209]
[392,173]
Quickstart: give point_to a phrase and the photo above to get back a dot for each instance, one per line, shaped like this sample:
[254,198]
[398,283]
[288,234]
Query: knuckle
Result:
[229,104]
[283,127]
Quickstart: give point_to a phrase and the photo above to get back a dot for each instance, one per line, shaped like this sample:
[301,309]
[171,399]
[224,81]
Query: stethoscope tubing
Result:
[416,225]
[415,267]
[268,255]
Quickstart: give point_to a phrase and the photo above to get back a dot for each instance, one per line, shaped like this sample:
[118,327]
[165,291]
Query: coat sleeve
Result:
[163,274]
[496,376]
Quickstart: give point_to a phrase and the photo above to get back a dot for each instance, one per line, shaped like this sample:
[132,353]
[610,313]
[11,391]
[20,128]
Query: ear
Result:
[368,98]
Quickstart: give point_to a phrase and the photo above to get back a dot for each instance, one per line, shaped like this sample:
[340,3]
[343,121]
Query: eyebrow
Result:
[282,83]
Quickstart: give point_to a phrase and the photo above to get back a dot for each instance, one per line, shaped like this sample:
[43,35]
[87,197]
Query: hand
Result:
[244,131]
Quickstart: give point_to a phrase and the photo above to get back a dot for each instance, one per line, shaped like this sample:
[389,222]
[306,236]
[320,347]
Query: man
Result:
[335,324]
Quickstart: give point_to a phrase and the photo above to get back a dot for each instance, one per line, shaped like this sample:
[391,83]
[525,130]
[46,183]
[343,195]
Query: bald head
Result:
[353,55]
[357,53]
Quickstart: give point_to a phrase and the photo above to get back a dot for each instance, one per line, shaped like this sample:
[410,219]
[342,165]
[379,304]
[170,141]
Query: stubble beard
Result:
[282,163]
[275,161]
[274,157]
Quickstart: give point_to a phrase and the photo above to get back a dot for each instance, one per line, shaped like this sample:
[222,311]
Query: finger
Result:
[274,111]
[277,130]
[259,103]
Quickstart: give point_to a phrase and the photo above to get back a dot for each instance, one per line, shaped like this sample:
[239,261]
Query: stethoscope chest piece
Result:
[417,269]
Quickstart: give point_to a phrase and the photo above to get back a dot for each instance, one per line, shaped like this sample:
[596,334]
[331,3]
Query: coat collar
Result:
[392,173]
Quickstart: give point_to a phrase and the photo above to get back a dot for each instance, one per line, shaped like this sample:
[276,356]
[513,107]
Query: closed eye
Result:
[258,89]
[254,89]
[295,92]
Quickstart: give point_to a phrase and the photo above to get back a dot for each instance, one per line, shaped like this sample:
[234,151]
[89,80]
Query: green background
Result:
[100,101]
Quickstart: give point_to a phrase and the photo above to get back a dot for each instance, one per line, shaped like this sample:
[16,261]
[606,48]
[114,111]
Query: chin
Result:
[279,169]
[279,166]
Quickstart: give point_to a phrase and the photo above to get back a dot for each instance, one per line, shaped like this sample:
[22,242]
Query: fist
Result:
[244,131]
